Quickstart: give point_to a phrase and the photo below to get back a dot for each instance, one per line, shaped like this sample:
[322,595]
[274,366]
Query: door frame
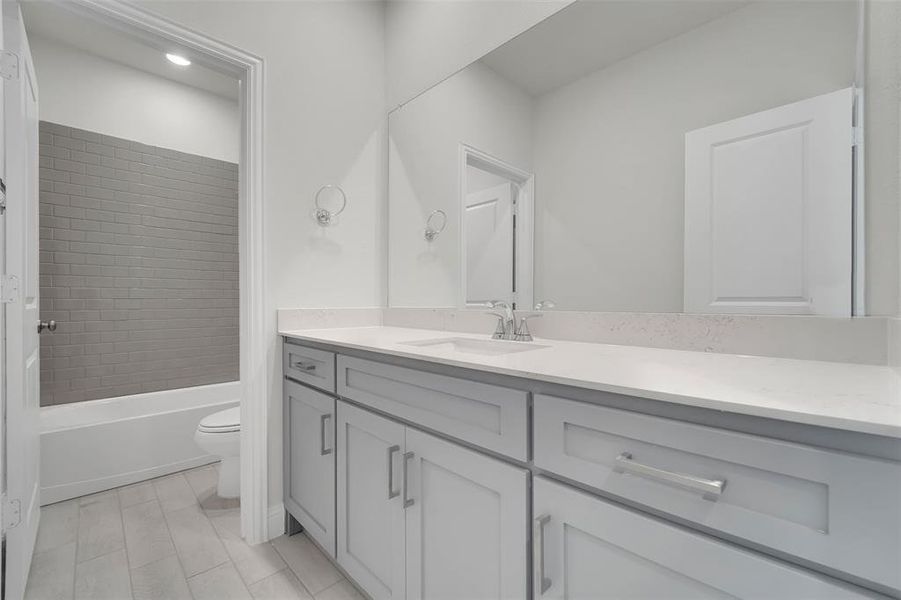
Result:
[524,211]
[249,68]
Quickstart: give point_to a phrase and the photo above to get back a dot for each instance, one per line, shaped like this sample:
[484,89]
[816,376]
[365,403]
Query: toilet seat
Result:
[226,421]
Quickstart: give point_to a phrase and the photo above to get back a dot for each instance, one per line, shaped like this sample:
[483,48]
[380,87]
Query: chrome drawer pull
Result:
[408,502]
[391,492]
[304,366]
[710,488]
[323,450]
[542,583]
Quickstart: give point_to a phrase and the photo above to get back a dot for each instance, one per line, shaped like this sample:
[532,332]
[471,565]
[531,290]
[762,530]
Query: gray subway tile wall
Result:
[138,266]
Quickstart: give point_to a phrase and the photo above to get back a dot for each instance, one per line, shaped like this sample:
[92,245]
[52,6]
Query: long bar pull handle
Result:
[323,449]
[711,489]
[304,366]
[542,583]
[391,492]
[408,502]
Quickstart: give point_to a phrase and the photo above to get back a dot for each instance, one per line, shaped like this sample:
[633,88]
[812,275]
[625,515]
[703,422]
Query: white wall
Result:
[609,148]
[476,107]
[881,142]
[89,92]
[324,123]
[428,41]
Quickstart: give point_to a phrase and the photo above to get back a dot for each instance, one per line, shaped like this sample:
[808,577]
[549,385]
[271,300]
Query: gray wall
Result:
[139,267]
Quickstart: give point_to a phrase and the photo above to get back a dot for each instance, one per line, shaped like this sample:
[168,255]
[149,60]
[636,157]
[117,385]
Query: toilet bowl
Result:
[219,434]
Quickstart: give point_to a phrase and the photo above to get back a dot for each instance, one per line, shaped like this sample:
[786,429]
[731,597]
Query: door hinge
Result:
[9,65]
[12,512]
[9,289]
[2,197]
[857,136]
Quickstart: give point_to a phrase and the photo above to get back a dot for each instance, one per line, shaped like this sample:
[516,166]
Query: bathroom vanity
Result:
[433,464]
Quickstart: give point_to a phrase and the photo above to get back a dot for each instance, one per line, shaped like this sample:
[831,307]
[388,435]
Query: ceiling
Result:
[589,35]
[53,21]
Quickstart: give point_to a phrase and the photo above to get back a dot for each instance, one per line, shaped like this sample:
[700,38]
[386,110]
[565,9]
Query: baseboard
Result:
[66,491]
[276,521]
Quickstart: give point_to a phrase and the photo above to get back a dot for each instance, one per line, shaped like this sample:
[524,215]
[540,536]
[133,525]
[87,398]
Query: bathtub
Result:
[92,446]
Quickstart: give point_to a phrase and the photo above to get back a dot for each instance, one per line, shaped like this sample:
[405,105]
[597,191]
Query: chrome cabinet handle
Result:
[304,366]
[48,325]
[711,489]
[408,502]
[323,450]
[391,492]
[542,583]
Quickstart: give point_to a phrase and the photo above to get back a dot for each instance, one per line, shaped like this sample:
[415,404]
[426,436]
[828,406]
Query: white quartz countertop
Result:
[853,397]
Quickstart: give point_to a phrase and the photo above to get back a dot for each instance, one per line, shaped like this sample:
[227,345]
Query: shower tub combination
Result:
[88,447]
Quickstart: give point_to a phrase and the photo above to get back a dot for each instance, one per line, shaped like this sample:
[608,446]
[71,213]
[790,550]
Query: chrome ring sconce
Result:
[324,216]
[431,231]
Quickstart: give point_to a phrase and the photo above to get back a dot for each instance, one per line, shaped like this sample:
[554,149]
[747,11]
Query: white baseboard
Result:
[66,491]
[276,521]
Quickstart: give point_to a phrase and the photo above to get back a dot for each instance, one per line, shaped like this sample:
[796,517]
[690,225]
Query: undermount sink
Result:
[476,346]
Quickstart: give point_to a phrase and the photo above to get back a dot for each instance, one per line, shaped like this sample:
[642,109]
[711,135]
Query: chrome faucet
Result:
[506,324]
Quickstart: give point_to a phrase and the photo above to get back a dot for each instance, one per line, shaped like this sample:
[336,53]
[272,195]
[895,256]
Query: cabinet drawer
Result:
[310,366]
[489,416]
[830,508]
[585,547]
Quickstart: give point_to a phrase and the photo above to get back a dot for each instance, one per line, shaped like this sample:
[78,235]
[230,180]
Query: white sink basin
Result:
[476,346]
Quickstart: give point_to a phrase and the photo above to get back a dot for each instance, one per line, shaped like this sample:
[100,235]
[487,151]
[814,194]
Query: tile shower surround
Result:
[138,266]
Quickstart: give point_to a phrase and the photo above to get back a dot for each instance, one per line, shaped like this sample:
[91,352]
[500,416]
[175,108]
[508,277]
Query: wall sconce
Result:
[324,216]
[432,229]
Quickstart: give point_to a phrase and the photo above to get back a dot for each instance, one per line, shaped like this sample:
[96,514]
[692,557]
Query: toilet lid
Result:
[223,421]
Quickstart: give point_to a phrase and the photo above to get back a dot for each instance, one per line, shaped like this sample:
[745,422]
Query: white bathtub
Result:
[88,447]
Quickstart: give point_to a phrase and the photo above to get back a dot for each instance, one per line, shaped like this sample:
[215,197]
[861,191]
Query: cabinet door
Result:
[370,507]
[310,462]
[466,523]
[586,548]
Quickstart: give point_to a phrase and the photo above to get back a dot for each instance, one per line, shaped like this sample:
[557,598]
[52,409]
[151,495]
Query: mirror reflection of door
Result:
[489,245]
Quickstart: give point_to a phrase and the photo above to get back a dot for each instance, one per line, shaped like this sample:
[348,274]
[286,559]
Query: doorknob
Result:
[48,325]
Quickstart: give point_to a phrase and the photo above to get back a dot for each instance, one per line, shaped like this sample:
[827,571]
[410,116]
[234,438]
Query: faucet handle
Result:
[545,304]
[522,332]
[500,331]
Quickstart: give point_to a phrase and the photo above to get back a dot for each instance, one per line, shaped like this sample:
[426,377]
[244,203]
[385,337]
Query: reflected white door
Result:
[768,211]
[22,391]
[489,245]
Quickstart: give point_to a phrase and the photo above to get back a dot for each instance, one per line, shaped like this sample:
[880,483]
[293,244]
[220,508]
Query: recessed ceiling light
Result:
[181,61]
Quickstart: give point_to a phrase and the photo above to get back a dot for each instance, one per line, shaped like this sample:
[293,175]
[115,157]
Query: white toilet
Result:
[220,434]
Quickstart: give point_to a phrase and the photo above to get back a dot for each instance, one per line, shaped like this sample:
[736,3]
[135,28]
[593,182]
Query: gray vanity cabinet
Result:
[421,517]
[310,461]
[370,503]
[587,548]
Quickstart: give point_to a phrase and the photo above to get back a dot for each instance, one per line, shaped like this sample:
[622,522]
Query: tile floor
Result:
[171,539]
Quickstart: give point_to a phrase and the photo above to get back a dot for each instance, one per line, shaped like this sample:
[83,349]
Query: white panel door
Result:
[310,477]
[586,548]
[488,244]
[768,211]
[370,506]
[22,391]
[466,523]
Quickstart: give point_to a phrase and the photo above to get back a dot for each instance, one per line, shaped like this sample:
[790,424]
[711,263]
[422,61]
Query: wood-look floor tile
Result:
[103,578]
[99,526]
[253,562]
[283,585]
[137,493]
[174,493]
[146,534]
[343,590]
[221,583]
[196,542]
[52,575]
[311,566]
[59,525]
[160,580]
